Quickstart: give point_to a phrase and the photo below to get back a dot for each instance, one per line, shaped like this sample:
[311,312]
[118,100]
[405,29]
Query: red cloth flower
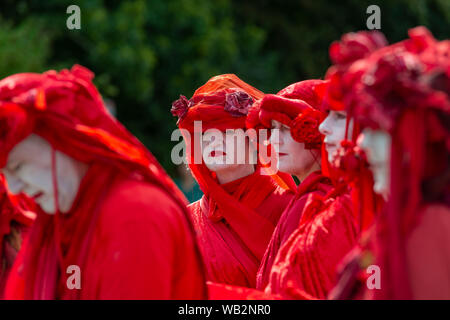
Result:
[238,103]
[180,107]
[305,128]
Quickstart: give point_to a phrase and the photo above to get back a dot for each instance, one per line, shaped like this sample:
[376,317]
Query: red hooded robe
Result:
[127,231]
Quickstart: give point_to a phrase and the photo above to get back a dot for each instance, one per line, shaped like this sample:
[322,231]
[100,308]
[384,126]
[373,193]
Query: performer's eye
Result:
[16,167]
[341,115]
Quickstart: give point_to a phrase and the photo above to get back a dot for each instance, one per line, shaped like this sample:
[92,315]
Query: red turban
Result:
[297,106]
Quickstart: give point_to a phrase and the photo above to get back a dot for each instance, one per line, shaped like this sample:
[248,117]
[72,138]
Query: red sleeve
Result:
[145,249]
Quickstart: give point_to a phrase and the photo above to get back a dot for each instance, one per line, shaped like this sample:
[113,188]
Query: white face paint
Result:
[29,170]
[228,154]
[377,146]
[333,128]
[293,158]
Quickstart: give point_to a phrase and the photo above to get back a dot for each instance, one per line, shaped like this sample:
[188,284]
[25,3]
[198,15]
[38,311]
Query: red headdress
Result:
[297,106]
[223,103]
[66,109]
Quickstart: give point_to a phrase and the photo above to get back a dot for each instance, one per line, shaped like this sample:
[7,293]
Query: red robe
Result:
[305,267]
[138,246]
[315,183]
[225,252]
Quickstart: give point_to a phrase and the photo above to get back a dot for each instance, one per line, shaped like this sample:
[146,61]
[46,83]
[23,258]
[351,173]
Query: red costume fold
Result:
[305,266]
[314,184]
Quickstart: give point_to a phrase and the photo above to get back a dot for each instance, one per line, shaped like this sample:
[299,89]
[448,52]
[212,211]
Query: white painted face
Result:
[333,128]
[293,158]
[228,151]
[377,146]
[29,170]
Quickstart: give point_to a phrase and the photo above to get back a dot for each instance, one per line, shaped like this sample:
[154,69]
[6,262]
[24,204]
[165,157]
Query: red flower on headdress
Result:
[305,128]
[354,46]
[238,103]
[388,86]
[180,107]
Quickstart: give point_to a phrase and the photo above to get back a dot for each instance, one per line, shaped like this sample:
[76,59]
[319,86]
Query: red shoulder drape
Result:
[224,242]
[315,183]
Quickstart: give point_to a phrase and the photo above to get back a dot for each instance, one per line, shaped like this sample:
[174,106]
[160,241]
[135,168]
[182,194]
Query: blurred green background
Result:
[146,53]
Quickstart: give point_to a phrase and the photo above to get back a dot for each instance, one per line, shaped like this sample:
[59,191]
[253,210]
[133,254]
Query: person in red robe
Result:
[304,266]
[405,113]
[16,217]
[296,112]
[110,224]
[241,206]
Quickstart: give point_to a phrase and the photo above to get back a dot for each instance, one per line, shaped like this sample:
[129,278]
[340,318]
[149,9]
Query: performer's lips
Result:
[281,154]
[330,145]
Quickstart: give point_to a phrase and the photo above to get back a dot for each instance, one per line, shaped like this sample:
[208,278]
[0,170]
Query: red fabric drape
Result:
[314,184]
